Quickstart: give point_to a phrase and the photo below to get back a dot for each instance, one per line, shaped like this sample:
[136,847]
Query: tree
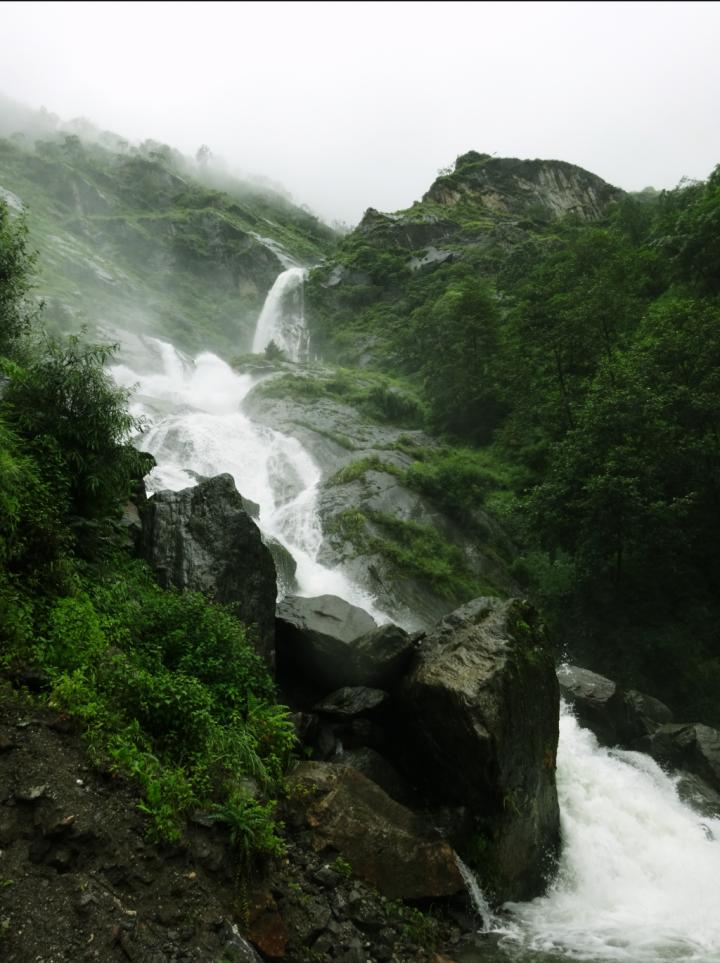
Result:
[203,155]
[16,266]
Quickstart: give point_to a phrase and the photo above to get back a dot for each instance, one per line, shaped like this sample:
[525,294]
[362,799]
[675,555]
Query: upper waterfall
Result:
[282,318]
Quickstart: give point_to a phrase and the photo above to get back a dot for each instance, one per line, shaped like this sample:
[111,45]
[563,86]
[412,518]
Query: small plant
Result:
[342,867]
[253,831]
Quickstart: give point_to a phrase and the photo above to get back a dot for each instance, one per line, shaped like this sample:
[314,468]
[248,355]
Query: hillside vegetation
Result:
[166,685]
[571,333]
[139,237]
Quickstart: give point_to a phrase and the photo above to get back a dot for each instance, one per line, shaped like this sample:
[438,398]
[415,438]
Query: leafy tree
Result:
[16,265]
[74,420]
[455,341]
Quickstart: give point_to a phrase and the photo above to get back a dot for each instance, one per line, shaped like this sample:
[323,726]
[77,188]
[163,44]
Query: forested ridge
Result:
[572,364]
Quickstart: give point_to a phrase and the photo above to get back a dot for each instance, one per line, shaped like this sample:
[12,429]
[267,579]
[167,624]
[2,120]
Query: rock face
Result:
[201,539]
[616,717]
[507,185]
[479,720]
[386,845]
[314,637]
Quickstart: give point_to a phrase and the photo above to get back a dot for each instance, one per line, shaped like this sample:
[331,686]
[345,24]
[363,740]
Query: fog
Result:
[351,105]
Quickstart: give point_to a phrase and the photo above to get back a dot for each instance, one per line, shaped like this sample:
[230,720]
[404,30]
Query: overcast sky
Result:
[352,105]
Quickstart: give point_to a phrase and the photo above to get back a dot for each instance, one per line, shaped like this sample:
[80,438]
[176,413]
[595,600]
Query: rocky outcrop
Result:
[314,637]
[479,727]
[509,186]
[616,717]
[385,844]
[201,539]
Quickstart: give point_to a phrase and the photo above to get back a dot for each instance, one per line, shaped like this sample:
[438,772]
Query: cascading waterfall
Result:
[639,872]
[282,318]
[639,876]
[197,428]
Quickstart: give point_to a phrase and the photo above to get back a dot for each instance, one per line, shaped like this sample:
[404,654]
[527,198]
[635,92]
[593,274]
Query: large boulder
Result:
[386,845]
[616,717]
[378,658]
[479,727]
[314,637]
[692,747]
[202,539]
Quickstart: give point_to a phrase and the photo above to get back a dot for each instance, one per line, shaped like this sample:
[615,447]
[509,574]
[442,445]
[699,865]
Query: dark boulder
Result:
[352,701]
[371,764]
[696,793]
[386,844]
[692,747]
[378,658]
[591,696]
[314,637]
[616,717]
[201,539]
[478,723]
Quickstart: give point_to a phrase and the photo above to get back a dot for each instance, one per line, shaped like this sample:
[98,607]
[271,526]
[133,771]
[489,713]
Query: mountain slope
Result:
[141,238]
[479,218]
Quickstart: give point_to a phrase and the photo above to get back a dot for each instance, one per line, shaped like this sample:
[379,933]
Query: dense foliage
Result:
[166,685]
[587,356]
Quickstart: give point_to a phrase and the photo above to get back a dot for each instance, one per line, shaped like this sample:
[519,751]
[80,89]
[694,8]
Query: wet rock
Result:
[387,845]
[202,539]
[615,716]
[696,793]
[371,764]
[591,696]
[478,721]
[692,747]
[352,701]
[285,566]
[378,658]
[313,637]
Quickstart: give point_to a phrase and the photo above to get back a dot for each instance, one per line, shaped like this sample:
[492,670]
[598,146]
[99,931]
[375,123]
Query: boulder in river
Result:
[202,539]
[478,724]
[616,717]
[692,747]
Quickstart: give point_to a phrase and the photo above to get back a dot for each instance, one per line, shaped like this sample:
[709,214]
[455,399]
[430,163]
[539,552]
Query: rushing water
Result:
[197,428]
[282,318]
[639,874]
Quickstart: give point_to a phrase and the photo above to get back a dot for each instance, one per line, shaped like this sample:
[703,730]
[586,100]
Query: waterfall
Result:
[282,318]
[639,874]
[197,428]
[479,904]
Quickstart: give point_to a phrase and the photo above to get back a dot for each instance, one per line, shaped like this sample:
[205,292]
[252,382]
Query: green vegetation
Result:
[142,238]
[573,367]
[378,396]
[167,688]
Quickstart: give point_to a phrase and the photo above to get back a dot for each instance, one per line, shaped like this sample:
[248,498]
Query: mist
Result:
[350,105]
